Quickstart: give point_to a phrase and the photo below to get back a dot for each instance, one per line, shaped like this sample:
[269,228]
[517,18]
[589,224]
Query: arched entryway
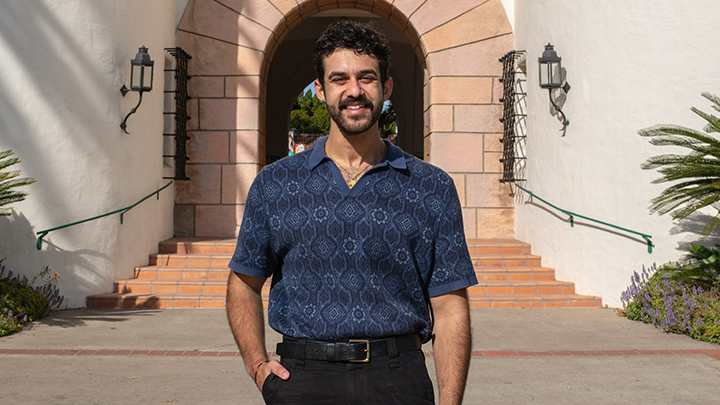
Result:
[445,55]
[291,69]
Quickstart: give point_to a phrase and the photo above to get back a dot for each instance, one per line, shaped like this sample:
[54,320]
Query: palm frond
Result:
[692,193]
[689,189]
[697,204]
[9,198]
[710,226]
[10,184]
[714,99]
[9,175]
[695,174]
[8,162]
[693,158]
[10,181]
[669,130]
[680,172]
[711,119]
[662,139]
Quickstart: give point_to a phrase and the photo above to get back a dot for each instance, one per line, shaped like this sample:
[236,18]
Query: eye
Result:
[367,79]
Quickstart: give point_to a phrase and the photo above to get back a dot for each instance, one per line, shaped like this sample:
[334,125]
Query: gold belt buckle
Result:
[367,351]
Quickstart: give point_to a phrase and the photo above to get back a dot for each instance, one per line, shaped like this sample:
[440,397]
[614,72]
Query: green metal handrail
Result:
[122,212]
[573,215]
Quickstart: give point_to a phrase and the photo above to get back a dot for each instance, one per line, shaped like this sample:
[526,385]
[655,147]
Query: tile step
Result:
[171,286]
[509,260]
[209,245]
[201,286]
[181,272]
[192,273]
[198,245]
[196,260]
[190,260]
[534,301]
[144,300]
[497,246]
[540,287]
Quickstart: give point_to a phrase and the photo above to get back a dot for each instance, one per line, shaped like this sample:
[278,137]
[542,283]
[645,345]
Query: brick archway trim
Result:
[232,43]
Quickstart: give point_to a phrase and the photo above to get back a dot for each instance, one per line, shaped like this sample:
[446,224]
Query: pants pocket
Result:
[268,388]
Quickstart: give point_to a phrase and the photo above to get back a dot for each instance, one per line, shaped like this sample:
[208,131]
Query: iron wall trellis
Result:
[180,113]
[510,114]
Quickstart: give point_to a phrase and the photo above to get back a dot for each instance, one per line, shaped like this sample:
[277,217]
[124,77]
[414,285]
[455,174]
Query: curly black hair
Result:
[363,38]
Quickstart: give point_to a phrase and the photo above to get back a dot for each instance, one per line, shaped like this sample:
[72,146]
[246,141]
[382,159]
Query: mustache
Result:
[360,99]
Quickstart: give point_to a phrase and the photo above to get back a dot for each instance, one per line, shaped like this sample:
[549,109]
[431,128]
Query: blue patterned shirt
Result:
[353,263]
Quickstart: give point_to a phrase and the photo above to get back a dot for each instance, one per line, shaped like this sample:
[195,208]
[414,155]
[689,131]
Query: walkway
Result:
[522,356]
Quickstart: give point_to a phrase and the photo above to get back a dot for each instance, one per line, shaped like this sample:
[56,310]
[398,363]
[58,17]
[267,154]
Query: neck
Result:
[355,150]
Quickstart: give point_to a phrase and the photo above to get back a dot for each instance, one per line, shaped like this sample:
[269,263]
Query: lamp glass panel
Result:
[555,74]
[147,78]
[136,78]
[544,74]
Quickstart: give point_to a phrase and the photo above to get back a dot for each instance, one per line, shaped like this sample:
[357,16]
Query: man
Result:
[366,251]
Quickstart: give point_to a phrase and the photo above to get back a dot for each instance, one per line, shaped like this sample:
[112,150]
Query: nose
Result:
[354,89]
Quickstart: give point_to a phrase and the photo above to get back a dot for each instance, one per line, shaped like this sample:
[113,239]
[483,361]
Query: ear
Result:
[387,89]
[319,91]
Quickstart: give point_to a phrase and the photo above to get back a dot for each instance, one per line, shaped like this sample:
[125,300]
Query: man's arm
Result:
[452,343]
[247,322]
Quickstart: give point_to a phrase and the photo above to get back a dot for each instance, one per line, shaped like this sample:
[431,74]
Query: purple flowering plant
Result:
[683,306]
[22,302]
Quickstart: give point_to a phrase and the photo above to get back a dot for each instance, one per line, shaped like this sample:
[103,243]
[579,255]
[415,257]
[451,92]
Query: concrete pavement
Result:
[521,356]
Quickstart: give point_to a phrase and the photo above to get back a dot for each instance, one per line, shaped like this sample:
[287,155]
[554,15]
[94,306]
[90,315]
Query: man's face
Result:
[353,91]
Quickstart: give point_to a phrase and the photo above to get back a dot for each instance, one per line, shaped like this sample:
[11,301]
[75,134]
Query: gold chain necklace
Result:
[352,177]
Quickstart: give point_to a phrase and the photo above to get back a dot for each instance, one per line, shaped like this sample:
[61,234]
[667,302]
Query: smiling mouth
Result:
[357,110]
[356,104]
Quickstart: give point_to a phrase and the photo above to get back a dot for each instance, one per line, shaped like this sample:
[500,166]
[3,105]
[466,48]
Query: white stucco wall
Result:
[631,64]
[62,64]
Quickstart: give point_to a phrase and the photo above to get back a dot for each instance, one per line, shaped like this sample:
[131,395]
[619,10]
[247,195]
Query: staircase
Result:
[192,273]
[509,276]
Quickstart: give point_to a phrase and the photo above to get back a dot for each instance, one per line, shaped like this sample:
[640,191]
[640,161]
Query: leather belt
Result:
[353,350]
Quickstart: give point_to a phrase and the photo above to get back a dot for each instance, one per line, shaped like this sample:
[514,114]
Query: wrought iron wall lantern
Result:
[551,78]
[141,79]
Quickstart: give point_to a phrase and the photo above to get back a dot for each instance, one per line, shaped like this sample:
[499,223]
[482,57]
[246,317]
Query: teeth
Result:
[354,107]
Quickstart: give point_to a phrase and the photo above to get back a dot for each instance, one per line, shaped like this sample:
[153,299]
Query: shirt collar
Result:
[317,154]
[394,156]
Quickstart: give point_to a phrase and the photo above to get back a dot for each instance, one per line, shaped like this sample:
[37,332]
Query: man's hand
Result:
[247,322]
[267,368]
[452,344]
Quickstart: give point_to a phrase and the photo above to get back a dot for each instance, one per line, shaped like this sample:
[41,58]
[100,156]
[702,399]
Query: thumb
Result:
[277,369]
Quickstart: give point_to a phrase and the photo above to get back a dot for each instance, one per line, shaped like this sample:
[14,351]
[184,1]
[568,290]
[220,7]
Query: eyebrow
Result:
[361,72]
[368,71]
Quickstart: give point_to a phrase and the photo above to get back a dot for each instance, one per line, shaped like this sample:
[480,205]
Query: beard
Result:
[354,125]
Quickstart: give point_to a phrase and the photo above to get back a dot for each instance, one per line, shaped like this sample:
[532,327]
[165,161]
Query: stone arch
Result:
[233,43]
[289,69]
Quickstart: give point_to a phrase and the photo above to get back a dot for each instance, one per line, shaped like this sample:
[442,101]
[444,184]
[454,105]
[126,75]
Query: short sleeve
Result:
[453,268]
[254,254]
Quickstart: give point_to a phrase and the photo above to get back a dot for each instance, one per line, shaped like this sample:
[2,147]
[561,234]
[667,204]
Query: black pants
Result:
[381,381]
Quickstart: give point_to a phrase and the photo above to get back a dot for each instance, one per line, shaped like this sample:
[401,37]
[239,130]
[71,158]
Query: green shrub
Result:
[22,302]
[675,306]
[701,265]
